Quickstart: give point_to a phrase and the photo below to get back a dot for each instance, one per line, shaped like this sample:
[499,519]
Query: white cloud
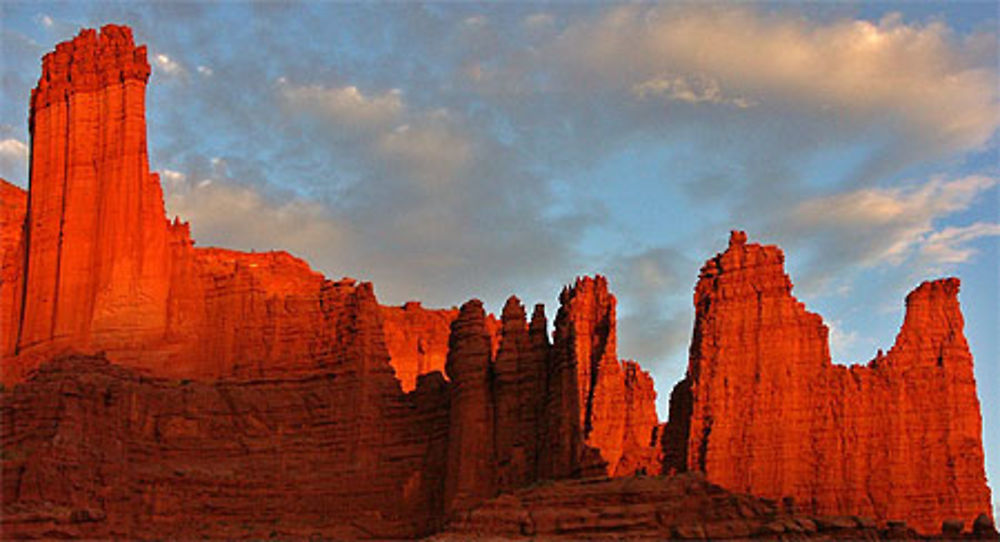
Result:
[13,149]
[13,160]
[345,105]
[841,341]
[172,180]
[46,21]
[429,147]
[950,245]
[917,78]
[435,153]
[475,21]
[236,216]
[691,89]
[205,70]
[167,65]
[839,238]
[887,225]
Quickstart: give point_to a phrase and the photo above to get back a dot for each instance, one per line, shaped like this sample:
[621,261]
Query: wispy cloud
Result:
[693,89]
[919,76]
[880,227]
[167,65]
[346,105]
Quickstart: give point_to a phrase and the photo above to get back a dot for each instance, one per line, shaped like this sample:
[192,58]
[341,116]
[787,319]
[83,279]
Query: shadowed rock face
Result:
[155,388]
[684,506]
[762,409]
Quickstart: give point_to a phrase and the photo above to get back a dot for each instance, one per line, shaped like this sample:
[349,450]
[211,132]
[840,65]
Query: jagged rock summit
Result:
[763,410]
[155,389]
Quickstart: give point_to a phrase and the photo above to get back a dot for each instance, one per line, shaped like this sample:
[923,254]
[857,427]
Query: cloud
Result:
[225,212]
[694,89]
[346,105]
[934,87]
[841,340]
[167,65]
[877,227]
[655,320]
[949,246]
[13,160]
[539,20]
[435,152]
[205,70]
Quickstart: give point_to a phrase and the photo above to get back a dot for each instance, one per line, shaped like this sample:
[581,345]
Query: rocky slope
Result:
[681,507]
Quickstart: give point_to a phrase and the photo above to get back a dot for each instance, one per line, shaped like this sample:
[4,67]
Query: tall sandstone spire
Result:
[98,258]
[764,411]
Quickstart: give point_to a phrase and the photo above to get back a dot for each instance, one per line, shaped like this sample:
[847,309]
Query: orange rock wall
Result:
[765,411]
[342,455]
[615,400]
[250,386]
[417,339]
[246,392]
[13,208]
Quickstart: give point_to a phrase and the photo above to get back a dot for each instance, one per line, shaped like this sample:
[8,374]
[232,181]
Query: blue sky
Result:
[447,151]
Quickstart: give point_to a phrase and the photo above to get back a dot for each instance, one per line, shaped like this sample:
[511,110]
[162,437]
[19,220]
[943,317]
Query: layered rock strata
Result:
[615,399]
[682,507]
[241,387]
[214,393]
[763,410]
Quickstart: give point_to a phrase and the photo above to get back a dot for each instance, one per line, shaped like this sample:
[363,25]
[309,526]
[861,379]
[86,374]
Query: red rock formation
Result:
[98,260]
[417,339]
[13,208]
[307,408]
[615,404]
[764,411]
[652,508]
[471,448]
[342,455]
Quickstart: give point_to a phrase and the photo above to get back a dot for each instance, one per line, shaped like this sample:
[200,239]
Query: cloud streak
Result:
[935,86]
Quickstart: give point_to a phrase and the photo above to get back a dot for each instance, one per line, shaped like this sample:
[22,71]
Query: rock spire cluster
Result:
[153,388]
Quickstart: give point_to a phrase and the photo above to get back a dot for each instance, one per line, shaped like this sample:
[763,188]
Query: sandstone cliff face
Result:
[682,507]
[129,456]
[97,242]
[247,394]
[762,409]
[615,401]
[13,208]
[417,339]
[303,406]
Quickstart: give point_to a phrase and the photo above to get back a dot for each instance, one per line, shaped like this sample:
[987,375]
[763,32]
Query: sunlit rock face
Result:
[762,409]
[167,389]
[153,388]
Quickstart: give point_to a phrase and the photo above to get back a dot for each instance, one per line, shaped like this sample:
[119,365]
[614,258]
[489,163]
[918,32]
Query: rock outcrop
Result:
[683,507]
[13,209]
[615,400]
[764,411]
[342,455]
[417,339]
[194,389]
[153,388]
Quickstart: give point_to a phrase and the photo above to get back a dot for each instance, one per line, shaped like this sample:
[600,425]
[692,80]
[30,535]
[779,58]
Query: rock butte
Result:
[155,388]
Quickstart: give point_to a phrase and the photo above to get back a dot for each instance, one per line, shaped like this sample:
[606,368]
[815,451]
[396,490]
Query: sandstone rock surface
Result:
[764,411]
[153,388]
[417,339]
[677,507]
[13,208]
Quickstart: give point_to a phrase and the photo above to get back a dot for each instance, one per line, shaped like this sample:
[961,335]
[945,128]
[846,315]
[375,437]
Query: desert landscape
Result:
[155,388]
